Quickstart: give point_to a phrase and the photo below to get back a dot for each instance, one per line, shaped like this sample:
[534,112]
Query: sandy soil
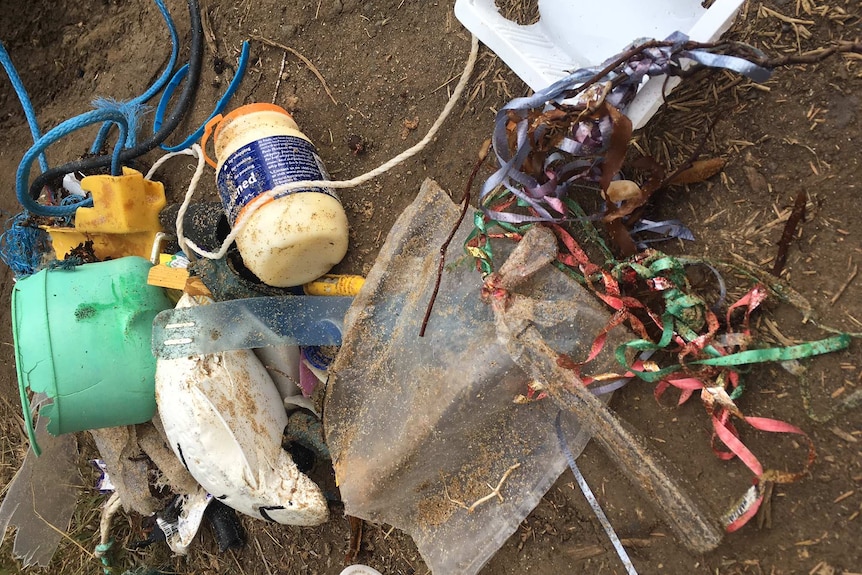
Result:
[389,66]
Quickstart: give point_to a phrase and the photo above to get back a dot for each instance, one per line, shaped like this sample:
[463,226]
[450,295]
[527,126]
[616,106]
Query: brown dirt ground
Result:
[390,63]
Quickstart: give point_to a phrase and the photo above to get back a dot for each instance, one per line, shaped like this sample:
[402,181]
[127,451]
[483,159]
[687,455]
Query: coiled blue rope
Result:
[24,98]
[219,108]
[134,105]
[22,178]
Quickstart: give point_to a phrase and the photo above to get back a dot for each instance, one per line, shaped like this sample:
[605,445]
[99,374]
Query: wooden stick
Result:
[845,285]
[642,465]
[305,61]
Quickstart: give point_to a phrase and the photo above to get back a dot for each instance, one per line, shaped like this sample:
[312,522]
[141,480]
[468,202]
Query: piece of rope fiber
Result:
[24,98]
[134,105]
[284,189]
[112,505]
[62,130]
[591,499]
[93,163]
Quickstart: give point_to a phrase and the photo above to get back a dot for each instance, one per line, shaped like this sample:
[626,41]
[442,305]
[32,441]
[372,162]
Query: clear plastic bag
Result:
[420,427]
[40,499]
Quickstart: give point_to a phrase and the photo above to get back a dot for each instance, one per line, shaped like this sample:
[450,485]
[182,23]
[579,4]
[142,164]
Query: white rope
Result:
[352,183]
[165,158]
[196,152]
[112,505]
[181,213]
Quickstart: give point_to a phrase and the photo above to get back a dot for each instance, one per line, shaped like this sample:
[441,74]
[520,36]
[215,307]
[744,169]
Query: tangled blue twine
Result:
[22,246]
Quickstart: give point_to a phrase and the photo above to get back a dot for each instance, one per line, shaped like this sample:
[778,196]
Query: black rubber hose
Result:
[171,122]
[227,529]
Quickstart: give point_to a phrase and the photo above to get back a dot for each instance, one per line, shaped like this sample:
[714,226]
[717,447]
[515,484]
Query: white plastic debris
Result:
[73,185]
[358,569]
[179,535]
[224,419]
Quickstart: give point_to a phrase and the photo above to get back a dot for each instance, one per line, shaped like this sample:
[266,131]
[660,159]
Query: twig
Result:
[449,497]
[733,48]
[796,216]
[355,545]
[209,35]
[622,58]
[495,492]
[262,556]
[65,535]
[845,285]
[812,57]
[444,84]
[465,202]
[764,514]
[305,61]
[280,74]
[235,560]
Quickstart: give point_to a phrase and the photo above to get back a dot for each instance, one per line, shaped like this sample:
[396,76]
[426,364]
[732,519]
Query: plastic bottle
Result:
[292,239]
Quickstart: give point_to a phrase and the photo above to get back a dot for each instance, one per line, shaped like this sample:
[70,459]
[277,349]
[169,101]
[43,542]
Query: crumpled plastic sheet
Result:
[420,427]
[42,496]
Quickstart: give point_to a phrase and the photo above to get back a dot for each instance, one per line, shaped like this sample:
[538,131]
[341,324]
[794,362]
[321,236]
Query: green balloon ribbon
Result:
[801,351]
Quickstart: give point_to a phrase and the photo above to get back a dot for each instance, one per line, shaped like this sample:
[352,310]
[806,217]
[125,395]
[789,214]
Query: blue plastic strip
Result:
[219,108]
[591,499]
[739,65]
[176,79]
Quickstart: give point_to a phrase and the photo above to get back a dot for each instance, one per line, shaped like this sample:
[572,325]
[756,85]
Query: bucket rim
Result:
[50,383]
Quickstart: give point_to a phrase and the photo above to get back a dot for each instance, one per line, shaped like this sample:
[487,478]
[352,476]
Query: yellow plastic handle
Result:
[207,131]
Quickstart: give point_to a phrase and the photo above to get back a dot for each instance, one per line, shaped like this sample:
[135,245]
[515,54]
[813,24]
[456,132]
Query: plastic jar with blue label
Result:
[293,238]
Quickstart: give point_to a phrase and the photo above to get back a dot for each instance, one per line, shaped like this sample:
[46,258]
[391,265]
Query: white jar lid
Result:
[360,570]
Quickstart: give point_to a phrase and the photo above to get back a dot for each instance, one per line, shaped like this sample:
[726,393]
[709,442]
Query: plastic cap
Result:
[249,109]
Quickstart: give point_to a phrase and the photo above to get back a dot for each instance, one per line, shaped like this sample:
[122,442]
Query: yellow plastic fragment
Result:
[332,284]
[123,221]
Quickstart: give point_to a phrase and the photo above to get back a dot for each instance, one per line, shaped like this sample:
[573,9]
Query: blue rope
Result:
[70,200]
[136,103]
[86,119]
[24,98]
[219,108]
[131,109]
[22,246]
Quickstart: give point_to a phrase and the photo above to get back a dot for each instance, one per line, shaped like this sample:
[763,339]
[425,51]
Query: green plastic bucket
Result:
[83,337]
